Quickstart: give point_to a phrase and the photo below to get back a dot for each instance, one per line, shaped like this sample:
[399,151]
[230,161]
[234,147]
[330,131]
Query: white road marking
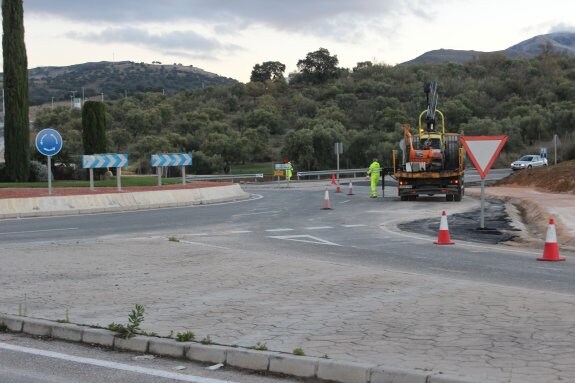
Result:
[240,231]
[205,244]
[359,225]
[318,228]
[278,230]
[306,238]
[38,231]
[258,213]
[112,365]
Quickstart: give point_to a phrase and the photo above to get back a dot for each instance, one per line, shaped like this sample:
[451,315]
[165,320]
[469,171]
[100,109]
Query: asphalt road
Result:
[28,360]
[358,230]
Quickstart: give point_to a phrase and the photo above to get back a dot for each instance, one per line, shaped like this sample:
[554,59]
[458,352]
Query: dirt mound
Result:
[558,178]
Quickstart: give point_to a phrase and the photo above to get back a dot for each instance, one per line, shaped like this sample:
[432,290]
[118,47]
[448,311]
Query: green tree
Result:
[94,127]
[318,66]
[16,120]
[269,70]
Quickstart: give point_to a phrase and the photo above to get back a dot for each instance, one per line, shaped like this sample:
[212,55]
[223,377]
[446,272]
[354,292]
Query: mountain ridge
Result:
[559,42]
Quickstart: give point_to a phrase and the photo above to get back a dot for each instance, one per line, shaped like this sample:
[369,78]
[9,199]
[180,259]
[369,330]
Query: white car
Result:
[529,161]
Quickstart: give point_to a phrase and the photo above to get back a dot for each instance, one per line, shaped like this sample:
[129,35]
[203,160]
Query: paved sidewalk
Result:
[413,322]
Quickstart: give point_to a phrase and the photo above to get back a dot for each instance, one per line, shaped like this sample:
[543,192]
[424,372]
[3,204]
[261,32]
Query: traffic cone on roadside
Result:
[337,188]
[326,201]
[551,250]
[333,179]
[350,189]
[443,237]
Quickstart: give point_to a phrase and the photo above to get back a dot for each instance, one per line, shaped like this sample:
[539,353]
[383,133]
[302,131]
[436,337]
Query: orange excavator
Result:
[433,160]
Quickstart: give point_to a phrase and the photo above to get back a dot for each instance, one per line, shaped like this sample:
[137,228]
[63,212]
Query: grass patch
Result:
[253,168]
[185,336]
[127,181]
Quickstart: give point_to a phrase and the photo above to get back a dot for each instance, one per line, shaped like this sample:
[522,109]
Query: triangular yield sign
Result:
[483,151]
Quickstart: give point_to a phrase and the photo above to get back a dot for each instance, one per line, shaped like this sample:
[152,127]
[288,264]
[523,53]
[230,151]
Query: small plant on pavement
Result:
[298,351]
[260,346]
[185,336]
[173,239]
[66,318]
[133,327]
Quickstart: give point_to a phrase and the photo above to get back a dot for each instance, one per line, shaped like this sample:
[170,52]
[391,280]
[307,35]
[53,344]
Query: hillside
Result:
[115,80]
[560,42]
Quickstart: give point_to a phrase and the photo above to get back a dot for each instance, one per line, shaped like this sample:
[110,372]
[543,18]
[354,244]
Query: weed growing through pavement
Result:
[23,307]
[173,239]
[3,327]
[206,340]
[133,327]
[66,318]
[185,336]
[298,351]
[260,346]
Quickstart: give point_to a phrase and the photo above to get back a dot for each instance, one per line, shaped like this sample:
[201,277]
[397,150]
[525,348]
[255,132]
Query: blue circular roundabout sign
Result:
[49,142]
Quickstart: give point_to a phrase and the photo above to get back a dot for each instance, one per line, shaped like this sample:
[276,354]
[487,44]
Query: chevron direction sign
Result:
[171,159]
[109,160]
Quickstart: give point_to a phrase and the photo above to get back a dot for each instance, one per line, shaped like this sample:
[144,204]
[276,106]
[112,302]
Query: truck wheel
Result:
[449,197]
[457,197]
[403,198]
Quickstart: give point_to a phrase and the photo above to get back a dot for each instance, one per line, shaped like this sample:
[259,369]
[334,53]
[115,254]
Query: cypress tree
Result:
[16,119]
[94,127]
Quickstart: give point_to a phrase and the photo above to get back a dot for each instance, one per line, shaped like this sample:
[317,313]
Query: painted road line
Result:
[239,231]
[278,230]
[112,365]
[359,225]
[318,228]
[204,244]
[306,239]
[258,213]
[38,231]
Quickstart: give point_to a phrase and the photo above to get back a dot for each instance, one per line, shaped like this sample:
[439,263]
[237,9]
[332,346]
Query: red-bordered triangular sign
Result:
[483,150]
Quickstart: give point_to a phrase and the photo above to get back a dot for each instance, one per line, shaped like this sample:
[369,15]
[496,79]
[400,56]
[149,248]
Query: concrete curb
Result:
[118,202]
[263,361]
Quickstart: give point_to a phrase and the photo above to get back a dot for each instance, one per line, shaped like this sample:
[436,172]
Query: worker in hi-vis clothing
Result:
[373,173]
[289,170]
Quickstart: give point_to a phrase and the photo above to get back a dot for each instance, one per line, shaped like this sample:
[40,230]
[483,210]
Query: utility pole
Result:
[72,96]
[82,103]
[102,96]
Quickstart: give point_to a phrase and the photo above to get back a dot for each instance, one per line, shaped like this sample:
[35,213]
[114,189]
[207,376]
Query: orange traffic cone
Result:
[551,250]
[443,238]
[337,188]
[326,201]
[350,190]
[333,179]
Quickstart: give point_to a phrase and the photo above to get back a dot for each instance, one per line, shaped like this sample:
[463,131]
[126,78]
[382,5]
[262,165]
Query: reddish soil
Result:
[43,192]
[558,178]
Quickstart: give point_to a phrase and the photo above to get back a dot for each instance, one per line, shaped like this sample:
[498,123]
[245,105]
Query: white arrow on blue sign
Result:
[110,160]
[171,159]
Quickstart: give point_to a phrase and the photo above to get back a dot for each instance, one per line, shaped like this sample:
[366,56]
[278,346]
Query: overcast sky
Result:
[229,37]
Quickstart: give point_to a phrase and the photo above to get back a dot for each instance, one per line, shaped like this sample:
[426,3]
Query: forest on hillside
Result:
[271,118]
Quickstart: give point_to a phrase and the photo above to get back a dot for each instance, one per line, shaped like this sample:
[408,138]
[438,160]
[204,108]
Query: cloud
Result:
[182,43]
[562,28]
[309,16]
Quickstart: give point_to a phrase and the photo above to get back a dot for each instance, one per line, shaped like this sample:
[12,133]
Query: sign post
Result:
[109,160]
[280,170]
[338,151]
[482,151]
[49,143]
[171,159]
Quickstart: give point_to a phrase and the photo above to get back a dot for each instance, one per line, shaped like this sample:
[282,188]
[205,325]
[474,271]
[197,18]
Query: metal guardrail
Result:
[320,173]
[214,177]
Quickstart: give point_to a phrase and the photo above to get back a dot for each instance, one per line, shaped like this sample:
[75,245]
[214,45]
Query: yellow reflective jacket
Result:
[374,170]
